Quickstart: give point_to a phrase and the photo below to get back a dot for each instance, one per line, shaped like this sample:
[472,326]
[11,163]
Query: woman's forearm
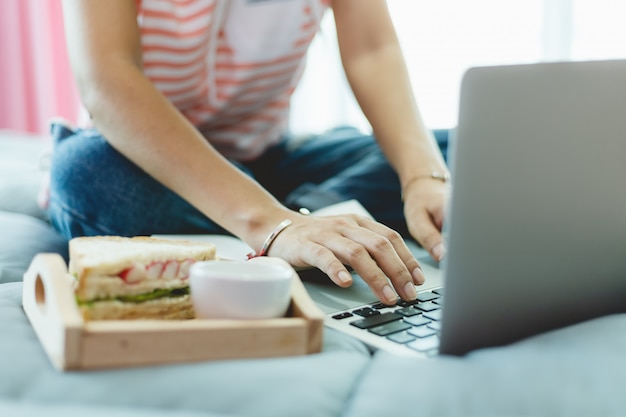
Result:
[140,123]
[377,73]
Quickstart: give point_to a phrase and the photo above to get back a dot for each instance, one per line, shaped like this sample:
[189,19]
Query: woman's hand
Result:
[377,253]
[424,209]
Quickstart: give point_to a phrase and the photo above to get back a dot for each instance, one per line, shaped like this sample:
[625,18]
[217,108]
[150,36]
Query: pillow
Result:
[23,165]
[23,237]
[317,385]
[20,409]
[578,370]
[20,196]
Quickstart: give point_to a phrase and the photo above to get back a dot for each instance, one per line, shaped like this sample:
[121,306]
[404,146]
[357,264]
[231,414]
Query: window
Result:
[441,39]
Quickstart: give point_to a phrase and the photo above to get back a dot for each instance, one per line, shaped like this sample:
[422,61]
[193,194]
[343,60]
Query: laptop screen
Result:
[537,223]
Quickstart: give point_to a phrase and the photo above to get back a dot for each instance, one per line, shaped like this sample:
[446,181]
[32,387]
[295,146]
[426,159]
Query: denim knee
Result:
[70,181]
[94,189]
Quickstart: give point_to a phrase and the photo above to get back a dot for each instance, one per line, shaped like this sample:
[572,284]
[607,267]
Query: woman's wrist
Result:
[265,247]
[442,176]
[264,225]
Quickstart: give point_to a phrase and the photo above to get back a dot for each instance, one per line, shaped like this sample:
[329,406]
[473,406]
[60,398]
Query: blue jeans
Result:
[94,190]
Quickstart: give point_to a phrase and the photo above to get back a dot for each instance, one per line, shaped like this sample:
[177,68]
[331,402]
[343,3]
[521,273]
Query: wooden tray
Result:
[72,343]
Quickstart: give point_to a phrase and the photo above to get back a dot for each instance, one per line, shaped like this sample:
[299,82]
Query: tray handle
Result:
[49,303]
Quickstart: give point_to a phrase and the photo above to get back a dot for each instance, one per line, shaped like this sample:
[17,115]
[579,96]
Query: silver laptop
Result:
[536,229]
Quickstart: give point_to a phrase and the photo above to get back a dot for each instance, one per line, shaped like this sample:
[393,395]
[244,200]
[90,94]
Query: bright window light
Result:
[442,39]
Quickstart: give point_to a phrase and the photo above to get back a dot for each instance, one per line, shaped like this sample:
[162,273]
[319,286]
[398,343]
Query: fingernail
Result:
[439,251]
[389,295]
[418,276]
[409,291]
[344,277]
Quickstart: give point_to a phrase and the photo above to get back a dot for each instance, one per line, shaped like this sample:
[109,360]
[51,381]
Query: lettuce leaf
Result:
[140,298]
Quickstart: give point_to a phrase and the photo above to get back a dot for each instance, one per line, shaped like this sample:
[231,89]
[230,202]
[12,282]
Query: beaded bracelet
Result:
[270,239]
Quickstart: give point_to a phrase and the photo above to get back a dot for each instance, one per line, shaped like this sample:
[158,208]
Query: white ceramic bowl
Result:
[256,289]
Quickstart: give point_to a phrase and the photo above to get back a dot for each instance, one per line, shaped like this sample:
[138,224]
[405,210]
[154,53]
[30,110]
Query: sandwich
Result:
[118,278]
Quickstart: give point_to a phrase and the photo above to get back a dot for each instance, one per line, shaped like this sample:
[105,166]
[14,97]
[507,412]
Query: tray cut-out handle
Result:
[49,303]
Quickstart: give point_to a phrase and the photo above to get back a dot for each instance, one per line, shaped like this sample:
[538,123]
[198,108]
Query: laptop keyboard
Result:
[409,327]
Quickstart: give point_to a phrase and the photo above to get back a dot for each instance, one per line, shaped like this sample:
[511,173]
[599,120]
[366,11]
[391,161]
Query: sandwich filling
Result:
[138,283]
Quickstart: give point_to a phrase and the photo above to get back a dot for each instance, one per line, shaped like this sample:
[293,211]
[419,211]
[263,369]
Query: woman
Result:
[188,103]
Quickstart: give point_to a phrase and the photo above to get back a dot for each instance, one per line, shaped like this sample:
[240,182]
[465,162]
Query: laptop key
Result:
[433,315]
[426,296]
[390,328]
[401,338]
[428,306]
[422,331]
[341,316]
[435,325]
[366,312]
[425,344]
[417,320]
[376,320]
[408,311]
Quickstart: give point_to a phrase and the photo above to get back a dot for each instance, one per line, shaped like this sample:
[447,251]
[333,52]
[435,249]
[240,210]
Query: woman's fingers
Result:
[424,210]
[384,259]
[429,236]
[400,248]
[326,261]
[378,254]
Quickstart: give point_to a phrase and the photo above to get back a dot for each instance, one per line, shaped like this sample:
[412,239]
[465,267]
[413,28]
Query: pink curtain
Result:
[35,79]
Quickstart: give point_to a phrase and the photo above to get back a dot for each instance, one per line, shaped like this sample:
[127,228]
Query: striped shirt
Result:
[230,66]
